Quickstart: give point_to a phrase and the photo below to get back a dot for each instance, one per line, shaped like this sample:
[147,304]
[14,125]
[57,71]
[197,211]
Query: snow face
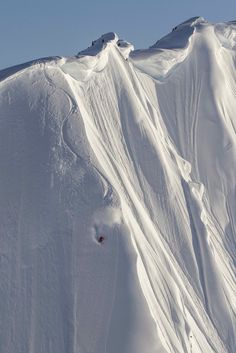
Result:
[117,197]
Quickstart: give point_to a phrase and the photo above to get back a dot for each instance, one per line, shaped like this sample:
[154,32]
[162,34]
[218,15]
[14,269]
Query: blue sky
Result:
[32,29]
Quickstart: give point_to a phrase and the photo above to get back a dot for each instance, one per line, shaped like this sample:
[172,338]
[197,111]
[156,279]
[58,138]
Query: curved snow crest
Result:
[13,72]
[180,36]
[101,43]
[94,59]
[108,39]
[167,53]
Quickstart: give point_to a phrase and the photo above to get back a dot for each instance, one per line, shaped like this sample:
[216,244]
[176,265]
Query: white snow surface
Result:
[137,147]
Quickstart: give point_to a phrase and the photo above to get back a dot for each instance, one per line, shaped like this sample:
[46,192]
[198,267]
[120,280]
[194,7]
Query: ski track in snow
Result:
[130,147]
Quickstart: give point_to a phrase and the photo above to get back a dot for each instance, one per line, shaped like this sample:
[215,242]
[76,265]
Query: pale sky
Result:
[32,29]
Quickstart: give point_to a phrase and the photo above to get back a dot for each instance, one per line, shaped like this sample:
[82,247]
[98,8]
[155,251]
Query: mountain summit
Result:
[118,197]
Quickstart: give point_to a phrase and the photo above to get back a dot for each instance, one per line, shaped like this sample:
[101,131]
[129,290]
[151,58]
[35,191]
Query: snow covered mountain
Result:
[118,197]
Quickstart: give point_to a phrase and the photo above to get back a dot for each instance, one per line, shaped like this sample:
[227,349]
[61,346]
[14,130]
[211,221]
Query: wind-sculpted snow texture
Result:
[118,197]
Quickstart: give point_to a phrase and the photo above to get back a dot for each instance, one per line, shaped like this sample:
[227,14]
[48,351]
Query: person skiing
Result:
[101,239]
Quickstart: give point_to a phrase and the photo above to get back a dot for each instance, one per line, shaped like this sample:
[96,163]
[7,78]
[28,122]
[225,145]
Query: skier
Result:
[101,239]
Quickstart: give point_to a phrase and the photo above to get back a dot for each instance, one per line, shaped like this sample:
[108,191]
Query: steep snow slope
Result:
[138,149]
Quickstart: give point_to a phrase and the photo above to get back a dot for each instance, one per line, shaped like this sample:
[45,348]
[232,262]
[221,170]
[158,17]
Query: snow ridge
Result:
[118,195]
